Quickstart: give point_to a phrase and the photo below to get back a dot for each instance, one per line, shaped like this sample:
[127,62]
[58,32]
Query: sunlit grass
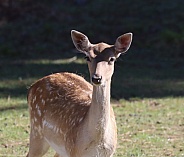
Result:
[57,61]
[151,127]
[146,127]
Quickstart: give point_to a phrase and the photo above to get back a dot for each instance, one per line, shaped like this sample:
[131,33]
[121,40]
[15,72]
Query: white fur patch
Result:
[60,149]
[47,124]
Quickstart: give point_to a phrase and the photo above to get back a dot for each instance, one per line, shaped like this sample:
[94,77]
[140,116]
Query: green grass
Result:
[151,127]
[14,127]
[146,127]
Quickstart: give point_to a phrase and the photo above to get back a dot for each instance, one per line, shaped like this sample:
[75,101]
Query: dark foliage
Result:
[42,28]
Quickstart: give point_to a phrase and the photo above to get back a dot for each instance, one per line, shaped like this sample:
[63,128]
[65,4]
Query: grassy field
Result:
[150,123]
[146,128]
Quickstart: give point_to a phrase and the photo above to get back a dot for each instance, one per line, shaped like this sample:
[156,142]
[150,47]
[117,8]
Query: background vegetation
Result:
[147,87]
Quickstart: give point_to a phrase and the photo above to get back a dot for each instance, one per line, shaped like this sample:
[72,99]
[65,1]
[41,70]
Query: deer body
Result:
[69,114]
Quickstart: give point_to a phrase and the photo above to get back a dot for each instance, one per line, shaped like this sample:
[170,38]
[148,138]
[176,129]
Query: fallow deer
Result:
[69,114]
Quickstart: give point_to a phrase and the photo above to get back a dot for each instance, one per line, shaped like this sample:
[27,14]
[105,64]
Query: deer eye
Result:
[112,59]
[87,58]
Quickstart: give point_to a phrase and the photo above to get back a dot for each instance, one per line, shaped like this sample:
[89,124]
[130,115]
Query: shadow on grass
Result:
[131,79]
[148,79]
[15,107]
[17,77]
[42,29]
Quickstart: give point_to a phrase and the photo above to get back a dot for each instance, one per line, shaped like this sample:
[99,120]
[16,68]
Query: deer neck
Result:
[99,112]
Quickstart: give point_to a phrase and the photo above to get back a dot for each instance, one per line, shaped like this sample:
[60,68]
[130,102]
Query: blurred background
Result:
[35,41]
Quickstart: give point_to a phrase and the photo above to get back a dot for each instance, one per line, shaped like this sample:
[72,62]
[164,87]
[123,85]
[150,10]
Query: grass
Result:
[151,127]
[146,127]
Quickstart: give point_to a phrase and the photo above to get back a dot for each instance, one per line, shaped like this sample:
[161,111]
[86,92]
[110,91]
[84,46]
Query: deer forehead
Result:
[102,51]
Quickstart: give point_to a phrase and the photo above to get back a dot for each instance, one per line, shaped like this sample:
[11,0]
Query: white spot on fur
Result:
[34,99]
[43,101]
[60,149]
[47,124]
[35,119]
[39,112]
[80,119]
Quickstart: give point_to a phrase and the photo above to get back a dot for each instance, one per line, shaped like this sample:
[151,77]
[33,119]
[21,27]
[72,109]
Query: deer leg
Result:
[38,145]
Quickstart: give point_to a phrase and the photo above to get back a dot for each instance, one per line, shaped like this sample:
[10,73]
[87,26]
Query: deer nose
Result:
[97,79]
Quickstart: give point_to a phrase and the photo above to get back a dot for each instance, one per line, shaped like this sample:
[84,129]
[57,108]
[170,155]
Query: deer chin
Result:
[98,85]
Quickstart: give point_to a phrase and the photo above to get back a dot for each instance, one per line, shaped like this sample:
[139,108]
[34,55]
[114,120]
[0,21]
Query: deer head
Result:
[101,57]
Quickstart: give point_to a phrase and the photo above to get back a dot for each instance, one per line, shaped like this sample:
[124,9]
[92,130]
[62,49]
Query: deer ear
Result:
[123,43]
[80,41]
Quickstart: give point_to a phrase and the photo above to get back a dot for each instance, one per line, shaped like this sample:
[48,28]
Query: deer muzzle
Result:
[96,79]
